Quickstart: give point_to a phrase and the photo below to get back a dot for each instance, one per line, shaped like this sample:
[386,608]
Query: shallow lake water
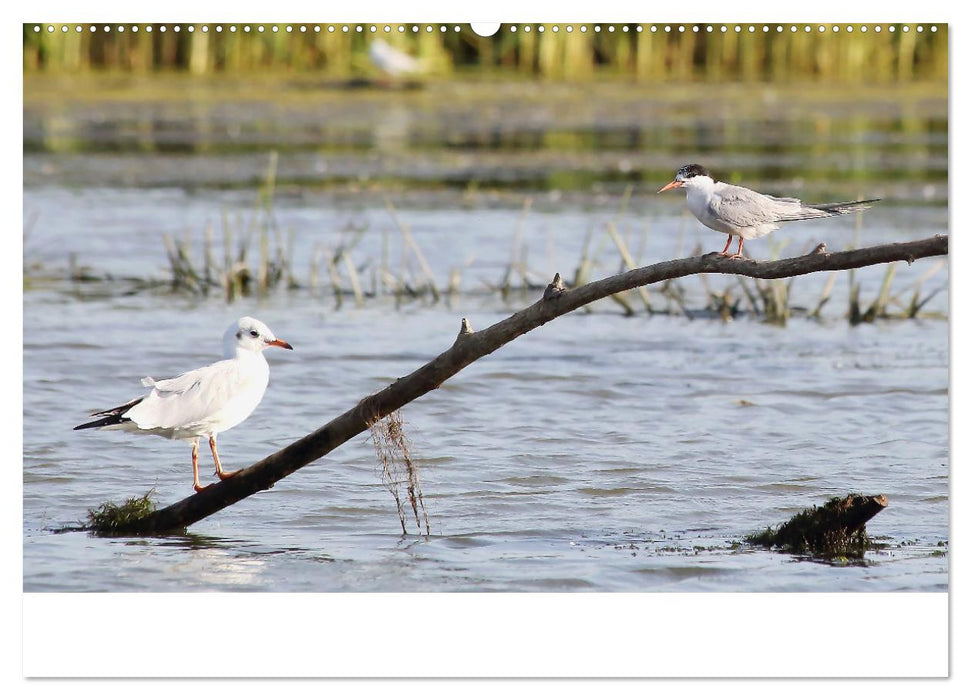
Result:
[602,452]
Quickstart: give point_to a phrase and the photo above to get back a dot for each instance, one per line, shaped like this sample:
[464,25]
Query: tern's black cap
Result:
[692,170]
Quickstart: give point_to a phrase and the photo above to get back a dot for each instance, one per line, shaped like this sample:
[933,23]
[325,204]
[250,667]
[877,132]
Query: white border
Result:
[461,635]
[369,634]
[545,11]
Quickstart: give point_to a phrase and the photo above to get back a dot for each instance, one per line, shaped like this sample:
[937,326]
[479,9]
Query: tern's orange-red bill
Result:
[670,186]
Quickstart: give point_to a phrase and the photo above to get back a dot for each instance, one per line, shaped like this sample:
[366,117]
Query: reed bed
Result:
[780,53]
[342,274]
[254,257]
[353,276]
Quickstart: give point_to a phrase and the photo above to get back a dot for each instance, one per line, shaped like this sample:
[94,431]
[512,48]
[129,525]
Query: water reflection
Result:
[220,568]
[569,140]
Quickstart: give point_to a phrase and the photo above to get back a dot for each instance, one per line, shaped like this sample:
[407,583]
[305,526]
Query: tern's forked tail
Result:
[838,208]
[819,211]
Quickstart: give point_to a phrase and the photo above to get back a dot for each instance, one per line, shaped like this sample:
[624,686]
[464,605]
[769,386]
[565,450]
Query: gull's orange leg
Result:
[741,242]
[725,251]
[215,458]
[195,466]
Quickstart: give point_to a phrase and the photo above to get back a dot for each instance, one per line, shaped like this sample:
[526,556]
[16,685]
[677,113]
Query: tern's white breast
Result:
[699,202]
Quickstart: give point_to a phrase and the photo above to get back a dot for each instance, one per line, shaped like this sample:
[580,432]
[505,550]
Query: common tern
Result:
[203,402]
[739,211]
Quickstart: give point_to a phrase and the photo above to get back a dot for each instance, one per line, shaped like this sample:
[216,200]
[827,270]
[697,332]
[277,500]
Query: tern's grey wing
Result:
[742,208]
[816,211]
[187,399]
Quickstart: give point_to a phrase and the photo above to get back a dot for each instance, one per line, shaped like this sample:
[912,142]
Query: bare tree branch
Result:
[470,346]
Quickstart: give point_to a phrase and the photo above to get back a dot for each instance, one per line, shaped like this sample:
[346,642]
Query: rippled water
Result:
[600,452]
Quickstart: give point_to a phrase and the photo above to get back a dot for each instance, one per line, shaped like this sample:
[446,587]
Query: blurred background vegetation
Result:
[824,53]
[238,151]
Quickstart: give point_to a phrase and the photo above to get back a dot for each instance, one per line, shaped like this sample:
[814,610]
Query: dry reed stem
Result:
[352,276]
[825,294]
[335,277]
[915,302]
[628,260]
[413,245]
[879,306]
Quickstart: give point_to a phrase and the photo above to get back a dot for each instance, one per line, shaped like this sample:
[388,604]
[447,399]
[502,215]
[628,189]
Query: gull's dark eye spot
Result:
[255,334]
[239,334]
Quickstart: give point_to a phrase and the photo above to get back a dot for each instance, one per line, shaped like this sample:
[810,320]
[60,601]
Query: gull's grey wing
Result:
[187,399]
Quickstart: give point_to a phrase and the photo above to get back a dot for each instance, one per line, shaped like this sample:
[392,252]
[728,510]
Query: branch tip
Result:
[554,288]
[465,330]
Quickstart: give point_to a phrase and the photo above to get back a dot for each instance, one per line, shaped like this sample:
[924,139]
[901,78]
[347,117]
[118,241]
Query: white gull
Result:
[202,402]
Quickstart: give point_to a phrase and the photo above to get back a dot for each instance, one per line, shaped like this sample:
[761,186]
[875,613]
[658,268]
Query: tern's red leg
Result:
[195,466]
[215,458]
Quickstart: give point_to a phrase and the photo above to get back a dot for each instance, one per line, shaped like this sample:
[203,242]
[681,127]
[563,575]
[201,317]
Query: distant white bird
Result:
[203,402]
[742,212]
[390,60]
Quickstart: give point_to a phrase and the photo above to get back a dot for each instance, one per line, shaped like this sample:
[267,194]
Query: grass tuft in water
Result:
[110,518]
[835,530]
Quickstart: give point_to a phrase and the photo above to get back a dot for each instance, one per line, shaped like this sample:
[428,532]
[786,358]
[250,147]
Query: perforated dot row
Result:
[541,28]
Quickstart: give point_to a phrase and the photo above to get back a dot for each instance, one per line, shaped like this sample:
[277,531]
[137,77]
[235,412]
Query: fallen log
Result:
[470,346]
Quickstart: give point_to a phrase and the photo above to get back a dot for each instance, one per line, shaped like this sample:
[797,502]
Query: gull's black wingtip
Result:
[100,423]
[113,416]
[109,420]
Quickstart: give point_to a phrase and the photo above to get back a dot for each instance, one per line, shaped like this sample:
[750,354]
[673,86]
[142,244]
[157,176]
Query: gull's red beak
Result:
[670,186]
[280,344]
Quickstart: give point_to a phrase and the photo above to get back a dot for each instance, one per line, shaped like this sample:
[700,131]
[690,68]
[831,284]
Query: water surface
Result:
[601,452]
